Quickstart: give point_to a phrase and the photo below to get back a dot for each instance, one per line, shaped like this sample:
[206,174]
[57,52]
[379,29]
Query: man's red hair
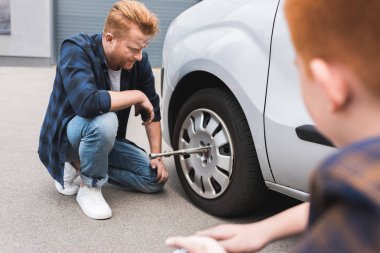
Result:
[127,12]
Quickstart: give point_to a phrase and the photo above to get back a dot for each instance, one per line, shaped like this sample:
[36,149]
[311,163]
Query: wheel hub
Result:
[207,173]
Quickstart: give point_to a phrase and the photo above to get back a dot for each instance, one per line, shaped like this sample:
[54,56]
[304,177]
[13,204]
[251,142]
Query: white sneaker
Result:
[91,200]
[69,174]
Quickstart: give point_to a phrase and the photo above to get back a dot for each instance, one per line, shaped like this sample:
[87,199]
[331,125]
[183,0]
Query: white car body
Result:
[246,44]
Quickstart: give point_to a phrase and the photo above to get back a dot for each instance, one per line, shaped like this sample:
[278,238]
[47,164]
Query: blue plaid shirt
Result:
[81,88]
[345,202]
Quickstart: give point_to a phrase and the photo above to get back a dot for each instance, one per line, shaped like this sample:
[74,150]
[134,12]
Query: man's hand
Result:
[238,238]
[195,244]
[124,99]
[145,108]
[162,173]
[154,134]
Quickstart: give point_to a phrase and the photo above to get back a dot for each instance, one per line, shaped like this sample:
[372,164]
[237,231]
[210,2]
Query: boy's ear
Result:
[332,83]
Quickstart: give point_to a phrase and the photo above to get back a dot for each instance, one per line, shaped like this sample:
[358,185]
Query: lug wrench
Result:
[181,152]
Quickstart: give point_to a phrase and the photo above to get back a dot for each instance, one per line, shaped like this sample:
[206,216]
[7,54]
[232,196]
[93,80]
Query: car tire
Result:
[227,180]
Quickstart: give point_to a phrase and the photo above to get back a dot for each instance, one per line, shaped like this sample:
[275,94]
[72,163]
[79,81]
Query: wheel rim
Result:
[208,174]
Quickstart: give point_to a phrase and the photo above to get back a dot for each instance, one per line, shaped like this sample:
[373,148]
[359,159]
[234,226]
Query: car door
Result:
[293,145]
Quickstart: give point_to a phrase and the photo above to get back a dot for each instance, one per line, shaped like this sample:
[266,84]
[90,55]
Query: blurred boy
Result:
[338,58]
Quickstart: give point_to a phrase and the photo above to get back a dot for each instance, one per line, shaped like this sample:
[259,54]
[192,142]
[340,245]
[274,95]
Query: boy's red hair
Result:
[342,31]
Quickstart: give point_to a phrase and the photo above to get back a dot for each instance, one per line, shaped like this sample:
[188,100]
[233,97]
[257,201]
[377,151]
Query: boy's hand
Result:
[238,238]
[162,173]
[145,108]
[195,244]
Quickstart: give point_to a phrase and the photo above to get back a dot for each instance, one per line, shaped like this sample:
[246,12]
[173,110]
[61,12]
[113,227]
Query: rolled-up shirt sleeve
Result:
[79,82]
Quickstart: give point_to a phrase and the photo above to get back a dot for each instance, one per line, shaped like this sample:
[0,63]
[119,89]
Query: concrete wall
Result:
[31,32]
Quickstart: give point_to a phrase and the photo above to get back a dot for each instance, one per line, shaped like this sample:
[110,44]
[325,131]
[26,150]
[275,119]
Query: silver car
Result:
[230,83]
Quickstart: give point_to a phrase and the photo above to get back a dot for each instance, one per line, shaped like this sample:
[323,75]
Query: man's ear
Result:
[109,38]
[332,83]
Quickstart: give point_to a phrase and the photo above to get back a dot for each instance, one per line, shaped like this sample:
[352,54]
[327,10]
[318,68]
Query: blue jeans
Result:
[103,157]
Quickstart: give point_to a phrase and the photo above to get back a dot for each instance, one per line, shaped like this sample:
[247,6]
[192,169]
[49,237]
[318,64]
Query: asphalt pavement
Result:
[34,217]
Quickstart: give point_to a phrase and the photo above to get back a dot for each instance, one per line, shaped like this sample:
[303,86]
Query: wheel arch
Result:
[209,74]
[188,85]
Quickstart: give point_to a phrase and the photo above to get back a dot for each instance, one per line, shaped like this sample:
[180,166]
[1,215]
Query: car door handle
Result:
[310,133]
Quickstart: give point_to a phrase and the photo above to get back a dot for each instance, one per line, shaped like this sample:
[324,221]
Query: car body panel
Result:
[234,34]
[291,159]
